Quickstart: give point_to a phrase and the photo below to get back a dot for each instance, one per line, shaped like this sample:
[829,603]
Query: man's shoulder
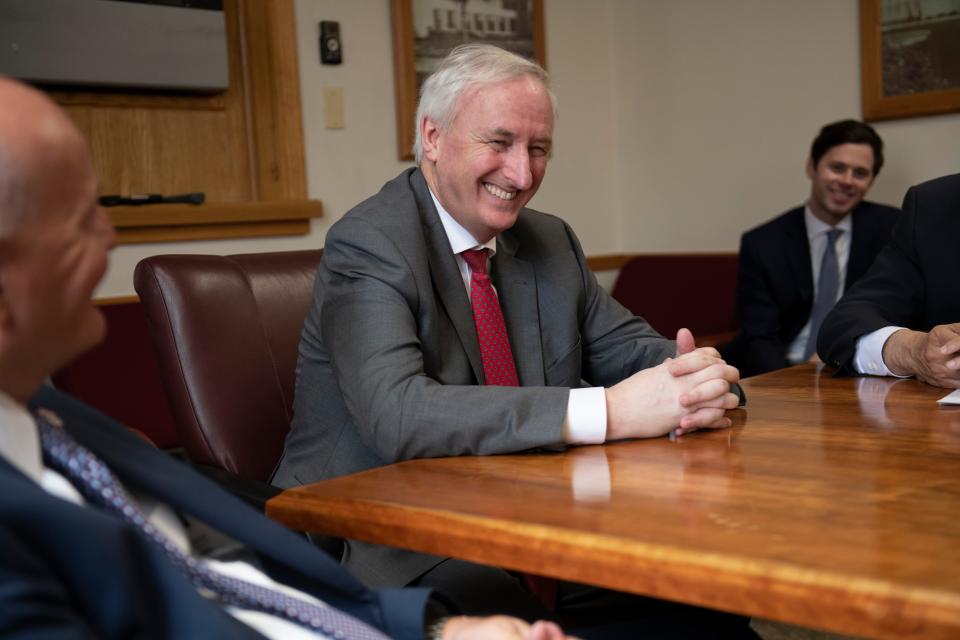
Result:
[394,212]
[944,186]
[538,229]
[877,218]
[787,221]
[937,196]
[875,209]
[395,198]
[931,207]
[533,221]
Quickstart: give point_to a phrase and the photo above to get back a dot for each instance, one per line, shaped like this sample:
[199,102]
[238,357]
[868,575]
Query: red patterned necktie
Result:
[498,366]
[499,369]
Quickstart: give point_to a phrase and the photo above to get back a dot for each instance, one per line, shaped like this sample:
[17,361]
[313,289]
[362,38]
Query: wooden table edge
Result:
[773,590]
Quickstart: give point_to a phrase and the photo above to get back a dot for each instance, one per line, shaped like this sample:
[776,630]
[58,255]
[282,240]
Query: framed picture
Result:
[909,57]
[424,32]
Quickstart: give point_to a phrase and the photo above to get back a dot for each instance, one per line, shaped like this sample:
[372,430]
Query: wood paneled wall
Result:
[244,145]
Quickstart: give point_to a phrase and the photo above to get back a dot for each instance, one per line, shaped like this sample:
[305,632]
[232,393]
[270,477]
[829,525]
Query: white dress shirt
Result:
[20,446]
[817,239]
[868,356]
[586,419]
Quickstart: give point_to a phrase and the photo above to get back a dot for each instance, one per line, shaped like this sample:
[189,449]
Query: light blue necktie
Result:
[94,480]
[827,286]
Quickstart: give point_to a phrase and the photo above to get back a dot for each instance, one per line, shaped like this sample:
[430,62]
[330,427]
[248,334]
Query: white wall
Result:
[682,122]
[343,166]
[719,102]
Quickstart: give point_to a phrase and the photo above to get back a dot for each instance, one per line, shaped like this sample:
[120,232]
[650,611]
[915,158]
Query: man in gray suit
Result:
[393,363]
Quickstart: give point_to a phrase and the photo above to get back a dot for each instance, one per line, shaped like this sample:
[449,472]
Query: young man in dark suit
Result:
[795,267]
[93,540]
[903,317]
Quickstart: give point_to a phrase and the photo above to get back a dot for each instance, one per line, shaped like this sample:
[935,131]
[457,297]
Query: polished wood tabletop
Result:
[832,503]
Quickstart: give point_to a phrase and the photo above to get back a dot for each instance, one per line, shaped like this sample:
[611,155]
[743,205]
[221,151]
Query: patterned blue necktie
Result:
[98,485]
[827,285]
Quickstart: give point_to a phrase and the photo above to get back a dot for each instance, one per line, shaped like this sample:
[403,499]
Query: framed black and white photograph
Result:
[424,32]
[910,57]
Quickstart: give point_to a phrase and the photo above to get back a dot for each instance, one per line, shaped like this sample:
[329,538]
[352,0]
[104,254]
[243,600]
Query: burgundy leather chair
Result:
[691,290]
[120,376]
[226,330]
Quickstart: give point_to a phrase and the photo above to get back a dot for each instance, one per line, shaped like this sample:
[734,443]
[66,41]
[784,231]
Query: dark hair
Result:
[844,132]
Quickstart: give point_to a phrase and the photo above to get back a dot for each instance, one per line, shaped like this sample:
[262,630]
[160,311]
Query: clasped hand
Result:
[933,357]
[686,393]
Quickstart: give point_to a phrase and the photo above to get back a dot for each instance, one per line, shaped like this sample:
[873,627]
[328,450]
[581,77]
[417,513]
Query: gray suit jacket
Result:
[389,366]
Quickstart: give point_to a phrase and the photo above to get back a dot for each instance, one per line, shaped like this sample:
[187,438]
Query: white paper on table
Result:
[951,398]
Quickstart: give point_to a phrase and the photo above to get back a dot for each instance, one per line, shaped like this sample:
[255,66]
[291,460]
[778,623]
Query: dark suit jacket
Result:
[389,366]
[914,281]
[69,571]
[775,282]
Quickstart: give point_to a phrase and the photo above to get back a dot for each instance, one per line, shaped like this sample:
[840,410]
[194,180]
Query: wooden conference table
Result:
[832,503]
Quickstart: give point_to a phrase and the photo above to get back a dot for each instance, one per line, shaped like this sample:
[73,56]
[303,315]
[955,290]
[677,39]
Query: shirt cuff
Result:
[586,420]
[868,357]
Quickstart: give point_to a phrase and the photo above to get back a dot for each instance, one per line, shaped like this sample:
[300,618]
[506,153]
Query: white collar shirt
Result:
[817,239]
[462,240]
[586,418]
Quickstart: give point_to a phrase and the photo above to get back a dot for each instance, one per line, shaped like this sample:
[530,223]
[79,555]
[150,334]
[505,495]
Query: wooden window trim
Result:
[263,35]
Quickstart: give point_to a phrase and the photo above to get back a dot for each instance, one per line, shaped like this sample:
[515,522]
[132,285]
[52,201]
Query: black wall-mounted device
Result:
[331,47]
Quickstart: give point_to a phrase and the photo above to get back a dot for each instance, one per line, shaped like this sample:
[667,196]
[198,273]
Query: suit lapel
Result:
[798,255]
[861,247]
[139,467]
[446,275]
[517,289]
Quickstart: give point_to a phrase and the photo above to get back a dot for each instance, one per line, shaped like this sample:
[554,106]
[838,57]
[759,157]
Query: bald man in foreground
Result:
[92,535]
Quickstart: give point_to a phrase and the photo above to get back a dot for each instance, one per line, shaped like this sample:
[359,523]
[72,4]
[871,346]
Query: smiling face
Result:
[493,156]
[840,180]
[61,261]
[55,245]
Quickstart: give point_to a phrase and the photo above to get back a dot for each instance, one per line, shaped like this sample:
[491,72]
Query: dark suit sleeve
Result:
[33,601]
[758,347]
[890,294]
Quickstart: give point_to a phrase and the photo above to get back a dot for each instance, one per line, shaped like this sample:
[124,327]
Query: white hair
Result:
[465,67]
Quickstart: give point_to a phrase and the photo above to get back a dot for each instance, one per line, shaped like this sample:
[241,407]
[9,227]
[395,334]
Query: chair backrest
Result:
[226,331]
[670,291]
[121,377]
